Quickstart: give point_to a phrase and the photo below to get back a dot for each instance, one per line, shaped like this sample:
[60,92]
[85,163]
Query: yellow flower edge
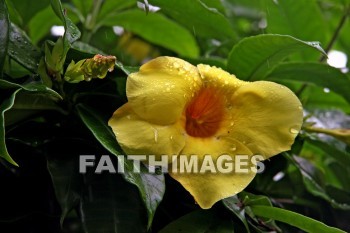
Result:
[175,108]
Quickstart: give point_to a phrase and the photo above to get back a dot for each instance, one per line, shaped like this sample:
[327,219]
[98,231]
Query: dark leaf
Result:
[254,56]
[151,186]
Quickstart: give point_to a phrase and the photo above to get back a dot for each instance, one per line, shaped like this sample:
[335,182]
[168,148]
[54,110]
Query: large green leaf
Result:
[302,222]
[8,103]
[27,9]
[157,29]
[313,73]
[289,17]
[22,50]
[106,202]
[314,187]
[40,25]
[236,207]
[252,57]
[151,187]
[200,221]
[197,17]
[5,106]
[4,33]
[110,7]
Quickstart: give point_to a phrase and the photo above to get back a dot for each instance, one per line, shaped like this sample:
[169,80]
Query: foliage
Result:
[47,122]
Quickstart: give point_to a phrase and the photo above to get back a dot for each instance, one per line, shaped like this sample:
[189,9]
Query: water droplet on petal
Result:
[232,123]
[300,108]
[293,130]
[155,135]
[233,147]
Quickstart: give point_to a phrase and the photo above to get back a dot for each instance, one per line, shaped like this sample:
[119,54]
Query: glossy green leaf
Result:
[313,73]
[4,33]
[151,187]
[72,32]
[302,222]
[22,50]
[5,106]
[254,56]
[236,207]
[157,29]
[200,221]
[292,18]
[200,19]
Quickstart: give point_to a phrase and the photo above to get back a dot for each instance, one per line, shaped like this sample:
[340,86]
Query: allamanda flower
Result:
[175,108]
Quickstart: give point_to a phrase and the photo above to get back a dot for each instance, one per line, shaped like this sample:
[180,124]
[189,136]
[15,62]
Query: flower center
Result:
[204,113]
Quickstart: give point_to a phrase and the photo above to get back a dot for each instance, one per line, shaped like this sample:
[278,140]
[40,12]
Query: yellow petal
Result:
[159,92]
[139,137]
[267,117]
[208,188]
[218,78]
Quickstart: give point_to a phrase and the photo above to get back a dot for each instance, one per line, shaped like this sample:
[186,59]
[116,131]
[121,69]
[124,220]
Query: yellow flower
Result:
[175,108]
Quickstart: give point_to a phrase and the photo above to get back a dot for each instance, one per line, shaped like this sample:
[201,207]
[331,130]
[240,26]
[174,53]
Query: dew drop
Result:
[155,135]
[171,137]
[233,148]
[293,130]
[176,65]
[326,90]
[232,123]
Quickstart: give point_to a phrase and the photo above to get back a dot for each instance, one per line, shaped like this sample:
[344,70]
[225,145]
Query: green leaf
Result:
[200,221]
[111,7]
[106,203]
[4,33]
[200,19]
[254,56]
[72,32]
[289,17]
[84,6]
[5,106]
[28,9]
[315,188]
[302,222]
[22,50]
[236,207]
[151,187]
[157,29]
[341,156]
[318,74]
[110,204]
[40,25]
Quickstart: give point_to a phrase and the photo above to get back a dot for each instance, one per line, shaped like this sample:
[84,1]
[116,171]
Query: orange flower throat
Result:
[204,113]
